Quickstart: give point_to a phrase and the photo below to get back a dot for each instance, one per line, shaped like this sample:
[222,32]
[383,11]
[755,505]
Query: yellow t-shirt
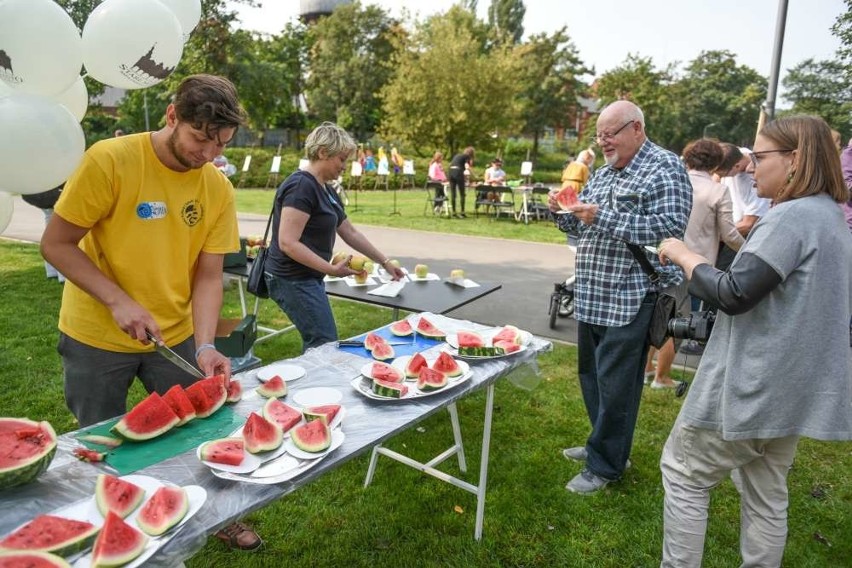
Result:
[147,226]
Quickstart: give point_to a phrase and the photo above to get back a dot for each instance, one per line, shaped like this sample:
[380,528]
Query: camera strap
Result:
[639,254]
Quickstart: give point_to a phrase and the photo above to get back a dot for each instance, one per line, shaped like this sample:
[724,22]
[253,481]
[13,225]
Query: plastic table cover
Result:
[367,423]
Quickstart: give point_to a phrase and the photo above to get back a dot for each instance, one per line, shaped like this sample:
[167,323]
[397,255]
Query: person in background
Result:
[436,174]
[641,196]
[495,175]
[140,232]
[846,165]
[460,165]
[45,201]
[710,222]
[789,286]
[578,171]
[306,218]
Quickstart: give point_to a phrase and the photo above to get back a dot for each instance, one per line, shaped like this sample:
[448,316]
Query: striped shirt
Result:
[645,202]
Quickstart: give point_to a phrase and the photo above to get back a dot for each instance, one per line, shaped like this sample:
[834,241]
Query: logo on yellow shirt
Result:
[151,210]
[192,212]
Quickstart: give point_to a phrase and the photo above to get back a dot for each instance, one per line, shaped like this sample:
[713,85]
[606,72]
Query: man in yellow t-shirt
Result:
[140,233]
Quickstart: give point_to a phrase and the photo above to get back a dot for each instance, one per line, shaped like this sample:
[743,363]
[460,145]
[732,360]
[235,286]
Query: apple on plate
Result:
[361,277]
[457,274]
[421,270]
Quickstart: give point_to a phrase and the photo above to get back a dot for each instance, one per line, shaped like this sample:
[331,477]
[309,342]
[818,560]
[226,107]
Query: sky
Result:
[668,31]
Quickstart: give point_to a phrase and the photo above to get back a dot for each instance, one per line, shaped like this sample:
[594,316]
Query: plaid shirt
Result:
[643,203]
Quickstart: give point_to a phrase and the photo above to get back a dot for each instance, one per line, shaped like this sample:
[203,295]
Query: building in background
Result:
[311,10]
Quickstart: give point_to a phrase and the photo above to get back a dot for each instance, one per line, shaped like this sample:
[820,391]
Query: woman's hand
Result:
[395,272]
[341,269]
[672,250]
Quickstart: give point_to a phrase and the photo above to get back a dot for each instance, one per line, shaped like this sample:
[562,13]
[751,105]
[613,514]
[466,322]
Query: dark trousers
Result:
[612,364]
[457,181]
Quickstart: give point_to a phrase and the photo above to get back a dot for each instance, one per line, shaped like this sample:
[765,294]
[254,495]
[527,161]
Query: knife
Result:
[173,357]
[278,466]
[355,343]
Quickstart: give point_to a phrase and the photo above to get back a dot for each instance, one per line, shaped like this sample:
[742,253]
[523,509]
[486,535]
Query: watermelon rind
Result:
[24,457]
[177,398]
[106,441]
[32,558]
[401,328]
[312,437]
[383,352]
[392,390]
[326,413]
[166,508]
[508,346]
[50,533]
[117,495]
[118,543]
[227,451]
[428,329]
[447,365]
[261,435]
[281,414]
[481,351]
[235,391]
[412,368]
[150,418]
[431,380]
[273,388]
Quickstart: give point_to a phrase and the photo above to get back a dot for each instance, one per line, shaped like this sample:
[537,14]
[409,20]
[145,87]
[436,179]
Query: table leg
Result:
[483,465]
[454,420]
[371,470]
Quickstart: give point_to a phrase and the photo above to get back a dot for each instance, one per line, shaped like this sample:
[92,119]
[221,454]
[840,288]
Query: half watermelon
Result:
[150,418]
[26,450]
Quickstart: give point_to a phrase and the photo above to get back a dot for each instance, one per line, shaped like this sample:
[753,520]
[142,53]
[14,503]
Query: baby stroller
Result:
[561,301]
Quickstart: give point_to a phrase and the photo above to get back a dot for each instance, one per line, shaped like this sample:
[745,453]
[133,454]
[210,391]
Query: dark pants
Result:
[457,181]
[612,364]
[306,304]
[97,381]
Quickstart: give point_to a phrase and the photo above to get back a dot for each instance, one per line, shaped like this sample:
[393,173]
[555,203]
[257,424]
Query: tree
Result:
[549,71]
[507,17]
[842,29]
[448,92]
[349,52]
[822,88]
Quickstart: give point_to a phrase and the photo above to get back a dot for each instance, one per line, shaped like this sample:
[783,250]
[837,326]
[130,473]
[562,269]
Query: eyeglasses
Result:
[604,137]
[755,157]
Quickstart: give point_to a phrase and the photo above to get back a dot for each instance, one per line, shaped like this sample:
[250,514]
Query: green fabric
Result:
[133,456]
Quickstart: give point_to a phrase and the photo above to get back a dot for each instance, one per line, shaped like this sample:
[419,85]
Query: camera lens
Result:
[679,328]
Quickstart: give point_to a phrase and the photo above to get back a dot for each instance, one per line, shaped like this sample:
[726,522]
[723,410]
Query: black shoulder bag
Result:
[256,283]
[666,304]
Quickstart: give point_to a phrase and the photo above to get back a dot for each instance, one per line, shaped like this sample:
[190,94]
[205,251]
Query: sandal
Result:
[239,536]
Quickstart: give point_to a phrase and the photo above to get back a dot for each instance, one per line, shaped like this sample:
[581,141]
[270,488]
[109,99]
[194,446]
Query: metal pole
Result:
[145,106]
[780,23]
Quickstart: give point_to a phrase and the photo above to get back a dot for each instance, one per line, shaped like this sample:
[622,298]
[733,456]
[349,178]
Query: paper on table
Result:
[463,282]
[429,276]
[351,282]
[389,290]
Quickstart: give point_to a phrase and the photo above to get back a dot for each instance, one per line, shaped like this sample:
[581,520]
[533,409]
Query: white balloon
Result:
[5,89]
[131,44]
[7,206]
[75,98]
[188,13]
[42,143]
[40,47]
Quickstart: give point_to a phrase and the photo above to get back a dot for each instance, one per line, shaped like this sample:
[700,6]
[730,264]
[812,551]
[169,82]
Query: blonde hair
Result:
[329,137]
[436,157]
[817,162]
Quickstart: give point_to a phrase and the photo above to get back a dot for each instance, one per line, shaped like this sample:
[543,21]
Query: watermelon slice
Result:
[469,339]
[273,388]
[507,346]
[216,391]
[117,495]
[87,455]
[228,451]
[372,340]
[49,533]
[313,437]
[26,449]
[392,390]
[385,372]
[281,414]
[509,333]
[235,391]
[118,543]
[417,362]
[383,351]
[261,435]
[447,365]
[401,328]
[202,404]
[428,329]
[431,380]
[180,403]
[31,559]
[326,413]
[166,508]
[106,441]
[150,418]
[567,197]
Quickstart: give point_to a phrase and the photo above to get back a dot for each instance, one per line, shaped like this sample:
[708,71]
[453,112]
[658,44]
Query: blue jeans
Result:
[307,306]
[611,367]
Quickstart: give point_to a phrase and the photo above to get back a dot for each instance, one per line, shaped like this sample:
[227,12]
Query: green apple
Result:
[394,262]
[457,274]
[369,266]
[357,263]
[421,270]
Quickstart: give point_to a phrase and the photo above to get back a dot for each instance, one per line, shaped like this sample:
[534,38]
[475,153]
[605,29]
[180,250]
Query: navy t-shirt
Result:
[458,163]
[302,191]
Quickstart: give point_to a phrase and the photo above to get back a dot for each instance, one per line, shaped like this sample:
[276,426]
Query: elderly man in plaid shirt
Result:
[641,196]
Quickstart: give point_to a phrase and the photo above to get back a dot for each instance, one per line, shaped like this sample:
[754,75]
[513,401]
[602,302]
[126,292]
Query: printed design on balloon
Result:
[146,71]
[6,72]
[148,210]
[192,212]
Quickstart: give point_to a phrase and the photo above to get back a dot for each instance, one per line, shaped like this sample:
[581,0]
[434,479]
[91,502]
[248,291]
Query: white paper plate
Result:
[364,385]
[337,437]
[286,371]
[250,463]
[453,342]
[317,396]
[272,454]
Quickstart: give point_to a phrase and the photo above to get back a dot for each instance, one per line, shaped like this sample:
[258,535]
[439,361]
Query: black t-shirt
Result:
[302,191]
[457,164]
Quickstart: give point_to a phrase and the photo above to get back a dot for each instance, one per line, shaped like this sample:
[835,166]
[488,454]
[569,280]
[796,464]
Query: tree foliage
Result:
[507,18]
[821,88]
[842,29]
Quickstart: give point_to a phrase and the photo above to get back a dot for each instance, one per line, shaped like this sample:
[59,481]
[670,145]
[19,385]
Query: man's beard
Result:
[611,159]
[173,148]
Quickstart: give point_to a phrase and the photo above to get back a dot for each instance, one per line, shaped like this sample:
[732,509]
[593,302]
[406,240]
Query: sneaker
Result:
[240,536]
[579,453]
[586,483]
[692,347]
[673,385]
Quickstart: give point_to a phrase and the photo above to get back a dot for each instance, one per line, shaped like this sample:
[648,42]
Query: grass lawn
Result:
[409,519]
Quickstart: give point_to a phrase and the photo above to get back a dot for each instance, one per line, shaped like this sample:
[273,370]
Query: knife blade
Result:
[173,357]
[279,465]
[355,343]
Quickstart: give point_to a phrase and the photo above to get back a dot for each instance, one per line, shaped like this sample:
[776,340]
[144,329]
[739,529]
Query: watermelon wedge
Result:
[228,451]
[469,339]
[26,449]
[117,495]
[417,362]
[431,380]
[49,533]
[261,435]
[392,390]
[166,508]
[282,414]
[215,389]
[273,388]
[180,404]
[235,391]
[507,346]
[31,559]
[567,197]
[428,329]
[446,365]
[313,437]
[385,372]
[118,543]
[401,328]
[326,413]
[150,418]
[372,340]
[106,441]
[509,333]
[382,351]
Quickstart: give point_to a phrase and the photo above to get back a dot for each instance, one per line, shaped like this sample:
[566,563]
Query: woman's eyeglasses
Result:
[755,157]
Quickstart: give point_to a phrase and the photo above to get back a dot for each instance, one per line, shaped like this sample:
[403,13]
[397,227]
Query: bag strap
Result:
[268,224]
[646,265]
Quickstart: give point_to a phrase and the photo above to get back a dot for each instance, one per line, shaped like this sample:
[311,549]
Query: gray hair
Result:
[329,137]
[627,111]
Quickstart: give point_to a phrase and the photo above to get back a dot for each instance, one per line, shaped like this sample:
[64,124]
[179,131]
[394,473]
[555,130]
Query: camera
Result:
[697,326]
